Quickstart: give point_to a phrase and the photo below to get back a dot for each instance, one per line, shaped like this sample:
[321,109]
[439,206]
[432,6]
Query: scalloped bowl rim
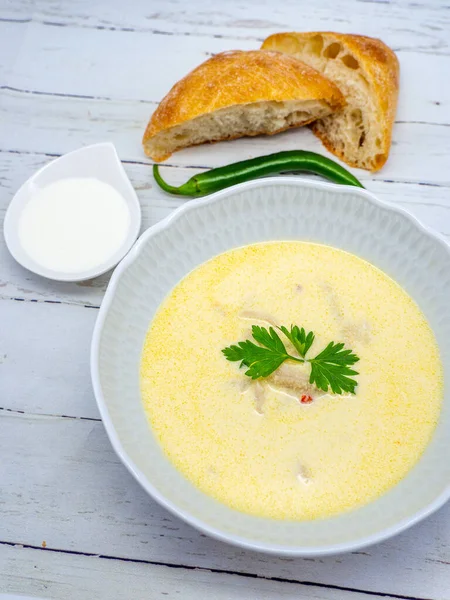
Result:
[200,525]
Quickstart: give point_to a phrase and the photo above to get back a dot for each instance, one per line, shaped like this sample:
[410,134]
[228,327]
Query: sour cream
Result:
[74,224]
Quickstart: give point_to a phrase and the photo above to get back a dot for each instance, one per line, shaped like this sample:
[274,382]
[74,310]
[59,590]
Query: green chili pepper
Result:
[280,162]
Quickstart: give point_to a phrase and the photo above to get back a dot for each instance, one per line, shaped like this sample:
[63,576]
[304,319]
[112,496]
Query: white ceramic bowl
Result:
[99,161]
[270,209]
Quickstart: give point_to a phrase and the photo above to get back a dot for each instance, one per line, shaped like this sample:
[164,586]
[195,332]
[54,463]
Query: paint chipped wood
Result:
[74,73]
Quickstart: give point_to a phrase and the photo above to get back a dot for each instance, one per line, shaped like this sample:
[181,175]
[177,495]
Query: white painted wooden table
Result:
[73,523]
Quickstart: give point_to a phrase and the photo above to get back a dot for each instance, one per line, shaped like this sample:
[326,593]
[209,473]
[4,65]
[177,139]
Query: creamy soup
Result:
[255,445]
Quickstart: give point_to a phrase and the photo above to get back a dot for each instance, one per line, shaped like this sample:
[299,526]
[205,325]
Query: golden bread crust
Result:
[240,77]
[379,65]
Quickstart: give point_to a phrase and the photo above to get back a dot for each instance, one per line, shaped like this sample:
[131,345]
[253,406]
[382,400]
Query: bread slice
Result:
[367,73]
[237,94]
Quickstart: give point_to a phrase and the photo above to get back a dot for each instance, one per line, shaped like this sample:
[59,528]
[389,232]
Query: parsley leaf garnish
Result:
[329,369]
[261,360]
[298,338]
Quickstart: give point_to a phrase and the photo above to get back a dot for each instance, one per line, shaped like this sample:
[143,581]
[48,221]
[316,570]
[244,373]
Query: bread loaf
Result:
[237,94]
[367,73]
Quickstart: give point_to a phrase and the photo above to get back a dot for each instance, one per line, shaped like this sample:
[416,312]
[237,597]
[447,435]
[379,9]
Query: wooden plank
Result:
[428,203]
[75,577]
[424,28]
[89,71]
[88,68]
[65,486]
[89,121]
[44,359]
[11,39]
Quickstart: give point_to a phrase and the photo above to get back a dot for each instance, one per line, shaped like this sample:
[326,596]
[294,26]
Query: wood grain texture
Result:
[79,72]
[249,20]
[78,577]
[89,120]
[48,353]
[89,70]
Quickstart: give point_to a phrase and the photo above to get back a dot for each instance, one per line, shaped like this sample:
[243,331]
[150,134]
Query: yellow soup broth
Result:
[253,445]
